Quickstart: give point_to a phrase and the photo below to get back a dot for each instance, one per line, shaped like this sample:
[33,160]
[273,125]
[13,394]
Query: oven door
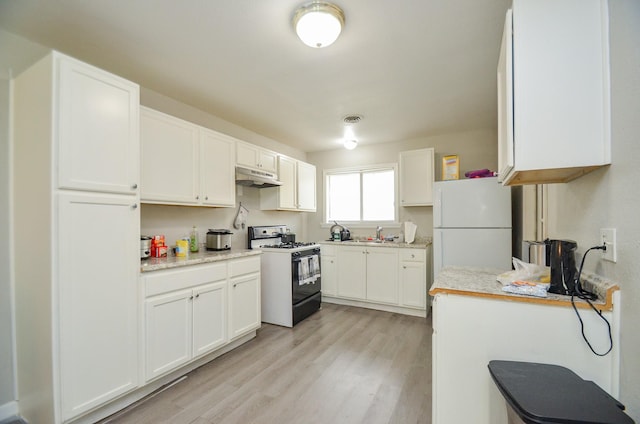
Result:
[305,272]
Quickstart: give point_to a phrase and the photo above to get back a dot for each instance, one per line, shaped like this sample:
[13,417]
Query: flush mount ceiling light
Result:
[350,144]
[318,24]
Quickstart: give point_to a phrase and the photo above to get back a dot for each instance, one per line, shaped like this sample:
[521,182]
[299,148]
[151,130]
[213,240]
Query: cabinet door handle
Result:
[191,298]
[197,197]
[206,198]
[234,285]
[413,256]
[134,186]
[404,266]
[198,295]
[134,206]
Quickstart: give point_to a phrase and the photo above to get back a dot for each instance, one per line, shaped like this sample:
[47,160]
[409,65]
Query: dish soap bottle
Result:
[193,240]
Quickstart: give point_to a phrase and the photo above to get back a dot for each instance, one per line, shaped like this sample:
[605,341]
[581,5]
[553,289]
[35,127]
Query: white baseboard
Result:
[8,410]
[378,306]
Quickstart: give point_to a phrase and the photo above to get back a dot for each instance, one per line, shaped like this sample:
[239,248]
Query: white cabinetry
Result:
[257,158]
[244,296]
[387,278]
[416,177]
[368,273]
[352,272]
[185,315]
[209,318]
[554,106]
[329,270]
[168,323]
[382,274]
[217,169]
[298,189]
[470,331]
[169,159]
[413,278]
[76,211]
[186,164]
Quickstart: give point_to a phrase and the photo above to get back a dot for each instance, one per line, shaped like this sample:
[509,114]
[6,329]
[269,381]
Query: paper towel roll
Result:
[409,232]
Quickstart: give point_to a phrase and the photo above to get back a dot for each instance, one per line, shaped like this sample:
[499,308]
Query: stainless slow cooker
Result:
[218,239]
[145,247]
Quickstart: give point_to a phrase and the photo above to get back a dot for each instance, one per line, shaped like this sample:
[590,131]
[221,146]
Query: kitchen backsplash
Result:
[176,222]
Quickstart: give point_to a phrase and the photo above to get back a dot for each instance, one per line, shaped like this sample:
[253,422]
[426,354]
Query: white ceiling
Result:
[411,68]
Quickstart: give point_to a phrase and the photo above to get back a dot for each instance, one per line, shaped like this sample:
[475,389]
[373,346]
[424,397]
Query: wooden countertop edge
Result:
[607,306]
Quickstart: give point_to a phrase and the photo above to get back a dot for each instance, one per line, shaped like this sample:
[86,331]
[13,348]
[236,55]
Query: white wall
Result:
[476,149]
[7,376]
[611,198]
[17,54]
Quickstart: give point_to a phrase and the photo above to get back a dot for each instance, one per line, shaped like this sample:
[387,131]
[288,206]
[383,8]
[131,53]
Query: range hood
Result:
[253,178]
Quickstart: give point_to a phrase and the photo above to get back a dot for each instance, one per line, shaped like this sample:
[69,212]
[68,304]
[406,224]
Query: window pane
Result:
[378,196]
[343,197]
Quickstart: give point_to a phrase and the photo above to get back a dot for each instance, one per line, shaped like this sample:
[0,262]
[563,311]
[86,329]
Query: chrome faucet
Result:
[378,233]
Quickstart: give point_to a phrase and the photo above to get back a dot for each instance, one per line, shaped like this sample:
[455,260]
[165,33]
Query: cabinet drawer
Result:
[412,255]
[166,281]
[244,266]
[328,250]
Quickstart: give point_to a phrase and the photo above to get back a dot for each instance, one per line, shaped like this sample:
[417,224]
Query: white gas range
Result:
[290,276]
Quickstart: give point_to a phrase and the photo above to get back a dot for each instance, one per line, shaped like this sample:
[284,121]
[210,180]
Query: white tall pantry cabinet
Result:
[76,231]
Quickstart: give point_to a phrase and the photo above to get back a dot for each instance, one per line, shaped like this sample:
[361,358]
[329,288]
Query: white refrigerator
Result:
[471,224]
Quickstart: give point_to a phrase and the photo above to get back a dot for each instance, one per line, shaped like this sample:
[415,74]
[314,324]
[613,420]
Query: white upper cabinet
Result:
[169,159]
[97,130]
[217,169]
[306,187]
[298,189]
[185,164]
[416,177]
[254,157]
[553,88]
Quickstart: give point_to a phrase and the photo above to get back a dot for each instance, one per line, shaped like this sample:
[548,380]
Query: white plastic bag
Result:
[524,271]
[526,279]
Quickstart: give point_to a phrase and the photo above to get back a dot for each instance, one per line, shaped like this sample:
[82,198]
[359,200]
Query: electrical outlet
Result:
[608,238]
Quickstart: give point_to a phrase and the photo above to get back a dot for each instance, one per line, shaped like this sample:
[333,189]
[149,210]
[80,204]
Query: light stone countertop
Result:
[482,282]
[201,257]
[419,244]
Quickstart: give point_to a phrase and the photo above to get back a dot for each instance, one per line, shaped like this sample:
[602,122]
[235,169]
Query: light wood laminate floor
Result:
[341,365]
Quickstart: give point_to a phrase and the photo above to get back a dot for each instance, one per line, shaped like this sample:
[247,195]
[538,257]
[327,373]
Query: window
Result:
[363,195]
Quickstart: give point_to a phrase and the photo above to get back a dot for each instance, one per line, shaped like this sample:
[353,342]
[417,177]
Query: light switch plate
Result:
[608,238]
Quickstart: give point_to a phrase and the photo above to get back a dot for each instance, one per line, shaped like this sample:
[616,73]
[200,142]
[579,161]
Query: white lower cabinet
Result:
[470,331]
[168,323]
[387,278]
[192,311]
[98,303]
[209,318]
[183,325]
[413,278]
[382,275]
[352,277]
[329,269]
[244,296]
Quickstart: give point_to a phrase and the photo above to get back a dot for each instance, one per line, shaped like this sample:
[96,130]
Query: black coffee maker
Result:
[562,260]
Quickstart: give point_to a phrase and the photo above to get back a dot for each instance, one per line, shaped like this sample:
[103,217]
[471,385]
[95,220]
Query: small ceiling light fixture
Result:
[350,144]
[318,24]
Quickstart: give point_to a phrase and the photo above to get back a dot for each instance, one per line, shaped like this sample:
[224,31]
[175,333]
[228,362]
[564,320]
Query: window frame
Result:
[361,169]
